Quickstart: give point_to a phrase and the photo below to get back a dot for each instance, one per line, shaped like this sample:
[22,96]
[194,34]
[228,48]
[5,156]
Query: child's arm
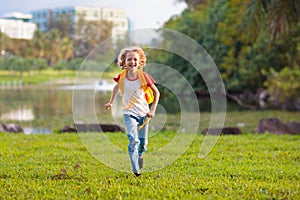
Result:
[112,98]
[155,101]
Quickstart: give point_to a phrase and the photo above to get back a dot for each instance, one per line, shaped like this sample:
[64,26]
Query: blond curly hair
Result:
[137,49]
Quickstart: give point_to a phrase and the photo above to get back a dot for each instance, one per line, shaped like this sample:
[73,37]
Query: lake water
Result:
[28,104]
[45,108]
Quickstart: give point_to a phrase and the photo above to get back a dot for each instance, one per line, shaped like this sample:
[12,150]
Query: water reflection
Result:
[21,114]
[33,130]
[97,86]
[51,108]
[48,102]
[29,104]
[48,106]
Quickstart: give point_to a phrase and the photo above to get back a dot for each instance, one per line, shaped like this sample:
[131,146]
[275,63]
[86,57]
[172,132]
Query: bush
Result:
[284,87]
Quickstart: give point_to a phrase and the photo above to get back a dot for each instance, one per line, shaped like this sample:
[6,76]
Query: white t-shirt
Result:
[134,95]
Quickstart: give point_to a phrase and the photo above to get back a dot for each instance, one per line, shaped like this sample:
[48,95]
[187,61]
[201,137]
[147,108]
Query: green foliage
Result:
[284,86]
[61,41]
[74,64]
[58,166]
[52,46]
[247,58]
[62,22]
[89,34]
[39,64]
[281,17]
[60,65]
[17,64]
[222,28]
[5,42]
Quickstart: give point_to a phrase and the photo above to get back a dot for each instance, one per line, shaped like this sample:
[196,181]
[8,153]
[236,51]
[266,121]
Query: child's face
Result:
[132,61]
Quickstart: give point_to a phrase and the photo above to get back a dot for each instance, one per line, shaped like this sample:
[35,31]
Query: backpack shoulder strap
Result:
[142,79]
[121,81]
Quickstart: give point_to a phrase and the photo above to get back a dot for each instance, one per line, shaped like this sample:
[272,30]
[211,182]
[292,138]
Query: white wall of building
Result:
[17,29]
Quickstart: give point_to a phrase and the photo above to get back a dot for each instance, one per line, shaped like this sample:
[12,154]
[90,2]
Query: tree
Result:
[5,44]
[18,64]
[74,64]
[281,20]
[38,43]
[89,34]
[195,4]
[244,62]
[39,64]
[66,48]
[52,41]
[280,16]
[60,65]
[62,22]
[52,46]
[201,26]
[285,88]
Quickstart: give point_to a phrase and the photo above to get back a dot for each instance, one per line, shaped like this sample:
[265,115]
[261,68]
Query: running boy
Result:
[136,109]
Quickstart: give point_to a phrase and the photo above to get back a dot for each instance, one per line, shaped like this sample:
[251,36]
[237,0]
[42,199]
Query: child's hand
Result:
[108,106]
[150,114]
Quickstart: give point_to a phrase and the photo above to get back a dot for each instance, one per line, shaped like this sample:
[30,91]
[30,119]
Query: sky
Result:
[142,13]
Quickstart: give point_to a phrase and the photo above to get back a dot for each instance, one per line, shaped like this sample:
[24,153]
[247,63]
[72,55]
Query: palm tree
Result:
[66,48]
[279,16]
[38,43]
[52,41]
[5,43]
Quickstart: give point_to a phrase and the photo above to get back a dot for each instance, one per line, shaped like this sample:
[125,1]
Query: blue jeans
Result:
[136,149]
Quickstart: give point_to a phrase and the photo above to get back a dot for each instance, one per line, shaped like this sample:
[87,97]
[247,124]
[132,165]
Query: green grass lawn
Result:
[58,166]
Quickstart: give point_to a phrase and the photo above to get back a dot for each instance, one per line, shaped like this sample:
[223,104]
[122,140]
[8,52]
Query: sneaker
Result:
[141,161]
[137,174]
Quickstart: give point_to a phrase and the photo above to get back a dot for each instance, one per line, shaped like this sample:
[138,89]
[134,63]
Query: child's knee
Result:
[133,146]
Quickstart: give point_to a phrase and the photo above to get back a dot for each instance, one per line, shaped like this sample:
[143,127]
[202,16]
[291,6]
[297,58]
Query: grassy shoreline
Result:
[58,166]
[48,76]
[247,121]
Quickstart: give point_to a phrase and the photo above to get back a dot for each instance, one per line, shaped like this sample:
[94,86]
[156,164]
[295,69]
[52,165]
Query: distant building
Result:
[18,16]
[41,17]
[116,16]
[17,26]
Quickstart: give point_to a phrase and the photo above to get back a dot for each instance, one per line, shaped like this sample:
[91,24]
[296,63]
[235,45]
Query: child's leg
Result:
[143,137]
[131,128]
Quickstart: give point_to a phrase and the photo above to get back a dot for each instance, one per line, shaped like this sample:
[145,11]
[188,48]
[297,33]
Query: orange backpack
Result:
[147,90]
